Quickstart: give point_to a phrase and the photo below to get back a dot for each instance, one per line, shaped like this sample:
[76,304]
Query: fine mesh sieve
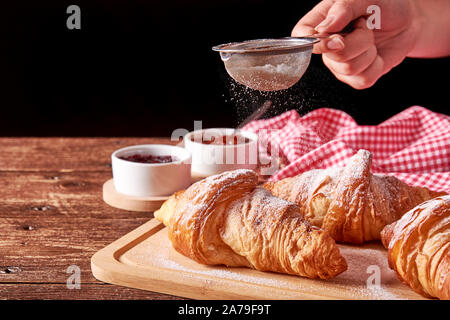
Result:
[267,64]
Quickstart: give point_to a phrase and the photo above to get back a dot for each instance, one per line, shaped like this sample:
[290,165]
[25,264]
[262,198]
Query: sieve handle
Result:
[348,29]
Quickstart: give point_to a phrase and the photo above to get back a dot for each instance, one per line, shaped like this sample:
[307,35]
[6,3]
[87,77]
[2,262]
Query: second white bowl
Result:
[210,159]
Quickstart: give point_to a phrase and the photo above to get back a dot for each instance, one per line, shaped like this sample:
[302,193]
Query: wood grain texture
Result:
[64,154]
[50,291]
[52,216]
[38,194]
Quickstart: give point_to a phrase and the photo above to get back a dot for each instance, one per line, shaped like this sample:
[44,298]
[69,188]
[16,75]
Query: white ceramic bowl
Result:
[151,179]
[210,159]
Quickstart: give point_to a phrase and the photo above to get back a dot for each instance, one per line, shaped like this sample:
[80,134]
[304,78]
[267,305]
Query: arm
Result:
[433,39]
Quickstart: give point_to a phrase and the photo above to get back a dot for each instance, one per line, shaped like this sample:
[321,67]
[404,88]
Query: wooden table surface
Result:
[52,216]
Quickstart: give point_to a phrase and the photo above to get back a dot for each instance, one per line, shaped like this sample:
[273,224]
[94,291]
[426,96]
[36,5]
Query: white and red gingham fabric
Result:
[414,145]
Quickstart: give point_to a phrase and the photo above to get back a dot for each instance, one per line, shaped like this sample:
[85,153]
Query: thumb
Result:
[301,30]
[341,13]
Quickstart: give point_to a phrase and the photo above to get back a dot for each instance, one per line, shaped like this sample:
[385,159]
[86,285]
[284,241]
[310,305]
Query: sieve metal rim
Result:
[289,44]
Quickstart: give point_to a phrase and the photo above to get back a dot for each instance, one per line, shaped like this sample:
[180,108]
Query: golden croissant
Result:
[226,219]
[351,204]
[419,248]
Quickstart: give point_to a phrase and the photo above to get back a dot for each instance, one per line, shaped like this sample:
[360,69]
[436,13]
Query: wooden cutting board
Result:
[145,259]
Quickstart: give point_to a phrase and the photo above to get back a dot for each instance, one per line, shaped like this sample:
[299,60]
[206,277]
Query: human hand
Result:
[361,57]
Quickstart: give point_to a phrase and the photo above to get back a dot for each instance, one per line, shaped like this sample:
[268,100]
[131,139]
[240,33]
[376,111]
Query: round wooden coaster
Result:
[130,203]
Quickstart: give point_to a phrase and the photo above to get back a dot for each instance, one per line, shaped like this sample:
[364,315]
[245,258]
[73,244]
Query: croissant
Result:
[351,204]
[227,220]
[419,248]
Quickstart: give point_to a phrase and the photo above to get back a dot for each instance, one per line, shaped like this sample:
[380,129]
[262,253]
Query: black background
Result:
[144,68]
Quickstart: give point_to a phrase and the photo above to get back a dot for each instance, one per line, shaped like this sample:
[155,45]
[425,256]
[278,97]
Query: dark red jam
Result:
[222,140]
[149,158]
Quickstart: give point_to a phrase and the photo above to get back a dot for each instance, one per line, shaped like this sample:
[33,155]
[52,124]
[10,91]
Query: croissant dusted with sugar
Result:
[419,248]
[351,204]
[226,219]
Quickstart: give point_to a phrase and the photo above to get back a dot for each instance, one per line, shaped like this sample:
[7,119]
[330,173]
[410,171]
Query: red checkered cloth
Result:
[414,145]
